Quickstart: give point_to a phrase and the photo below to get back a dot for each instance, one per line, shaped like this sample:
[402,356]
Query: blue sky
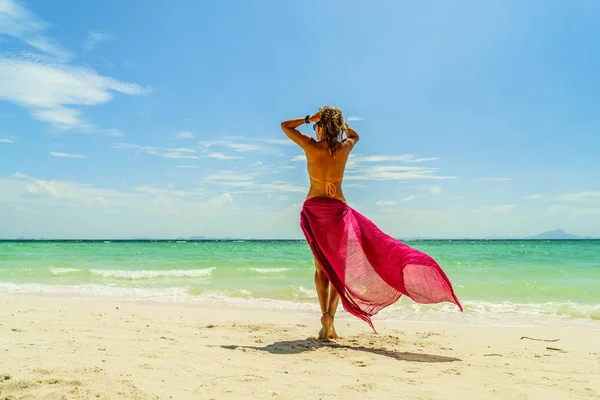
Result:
[127,119]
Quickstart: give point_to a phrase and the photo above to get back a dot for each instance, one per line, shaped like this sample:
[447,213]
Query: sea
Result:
[499,282]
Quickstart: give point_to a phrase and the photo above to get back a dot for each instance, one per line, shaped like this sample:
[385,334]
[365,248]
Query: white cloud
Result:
[221,156]
[300,157]
[387,158]
[223,199]
[3,140]
[592,196]
[248,181]
[66,155]
[63,209]
[187,166]
[94,38]
[182,150]
[284,198]
[503,208]
[354,118]
[400,173]
[587,197]
[185,135]
[244,147]
[408,198]
[52,92]
[178,153]
[16,21]
[283,142]
[206,144]
[167,192]
[386,203]
[437,190]
[112,132]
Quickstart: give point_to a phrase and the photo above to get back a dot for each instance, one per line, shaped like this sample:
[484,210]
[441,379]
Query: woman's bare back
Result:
[326,172]
[327,156]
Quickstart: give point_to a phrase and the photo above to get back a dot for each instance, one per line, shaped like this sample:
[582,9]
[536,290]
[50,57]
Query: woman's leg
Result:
[334,300]
[328,300]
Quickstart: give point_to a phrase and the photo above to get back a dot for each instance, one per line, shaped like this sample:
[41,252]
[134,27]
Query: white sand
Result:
[60,348]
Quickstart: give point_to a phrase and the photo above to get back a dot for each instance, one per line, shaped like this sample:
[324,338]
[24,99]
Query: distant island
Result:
[558,234]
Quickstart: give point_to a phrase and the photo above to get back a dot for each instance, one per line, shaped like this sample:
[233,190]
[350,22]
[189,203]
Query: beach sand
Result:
[65,348]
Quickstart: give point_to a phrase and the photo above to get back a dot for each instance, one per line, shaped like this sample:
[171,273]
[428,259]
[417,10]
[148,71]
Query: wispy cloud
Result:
[354,118]
[409,158]
[399,173]
[44,83]
[88,203]
[16,21]
[67,155]
[221,156]
[180,153]
[300,157]
[184,135]
[587,197]
[357,159]
[384,203]
[187,166]
[94,38]
[284,142]
[167,192]
[361,168]
[206,144]
[7,140]
[503,208]
[437,190]
[408,198]
[51,92]
[244,147]
[112,132]
[592,196]
[249,181]
[223,199]
[234,143]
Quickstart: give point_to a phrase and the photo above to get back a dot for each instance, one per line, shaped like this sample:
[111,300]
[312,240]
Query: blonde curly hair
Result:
[333,126]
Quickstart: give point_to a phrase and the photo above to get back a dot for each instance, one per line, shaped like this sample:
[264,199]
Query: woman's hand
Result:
[316,117]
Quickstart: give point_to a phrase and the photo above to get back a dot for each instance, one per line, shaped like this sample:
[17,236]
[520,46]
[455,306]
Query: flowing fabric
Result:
[369,269]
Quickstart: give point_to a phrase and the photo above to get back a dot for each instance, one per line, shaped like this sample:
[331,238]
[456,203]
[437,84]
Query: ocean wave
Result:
[475,312]
[63,271]
[502,313]
[305,293]
[149,274]
[268,270]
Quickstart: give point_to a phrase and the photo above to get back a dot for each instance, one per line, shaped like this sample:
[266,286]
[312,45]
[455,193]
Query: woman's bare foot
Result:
[327,331]
[332,334]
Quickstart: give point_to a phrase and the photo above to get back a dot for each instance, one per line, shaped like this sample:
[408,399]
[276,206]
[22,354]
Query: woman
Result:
[354,259]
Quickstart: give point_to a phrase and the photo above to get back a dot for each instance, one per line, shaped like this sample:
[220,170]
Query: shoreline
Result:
[107,349]
[476,313]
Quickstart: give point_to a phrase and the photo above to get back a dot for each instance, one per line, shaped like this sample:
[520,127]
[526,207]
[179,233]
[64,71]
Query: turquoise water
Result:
[497,281]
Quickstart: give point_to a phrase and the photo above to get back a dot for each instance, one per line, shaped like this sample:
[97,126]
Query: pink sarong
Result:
[368,268]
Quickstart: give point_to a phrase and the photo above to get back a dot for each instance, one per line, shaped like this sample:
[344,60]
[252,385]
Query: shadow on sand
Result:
[300,346]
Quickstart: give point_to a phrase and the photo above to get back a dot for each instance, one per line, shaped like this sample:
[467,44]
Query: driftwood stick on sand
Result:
[540,340]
